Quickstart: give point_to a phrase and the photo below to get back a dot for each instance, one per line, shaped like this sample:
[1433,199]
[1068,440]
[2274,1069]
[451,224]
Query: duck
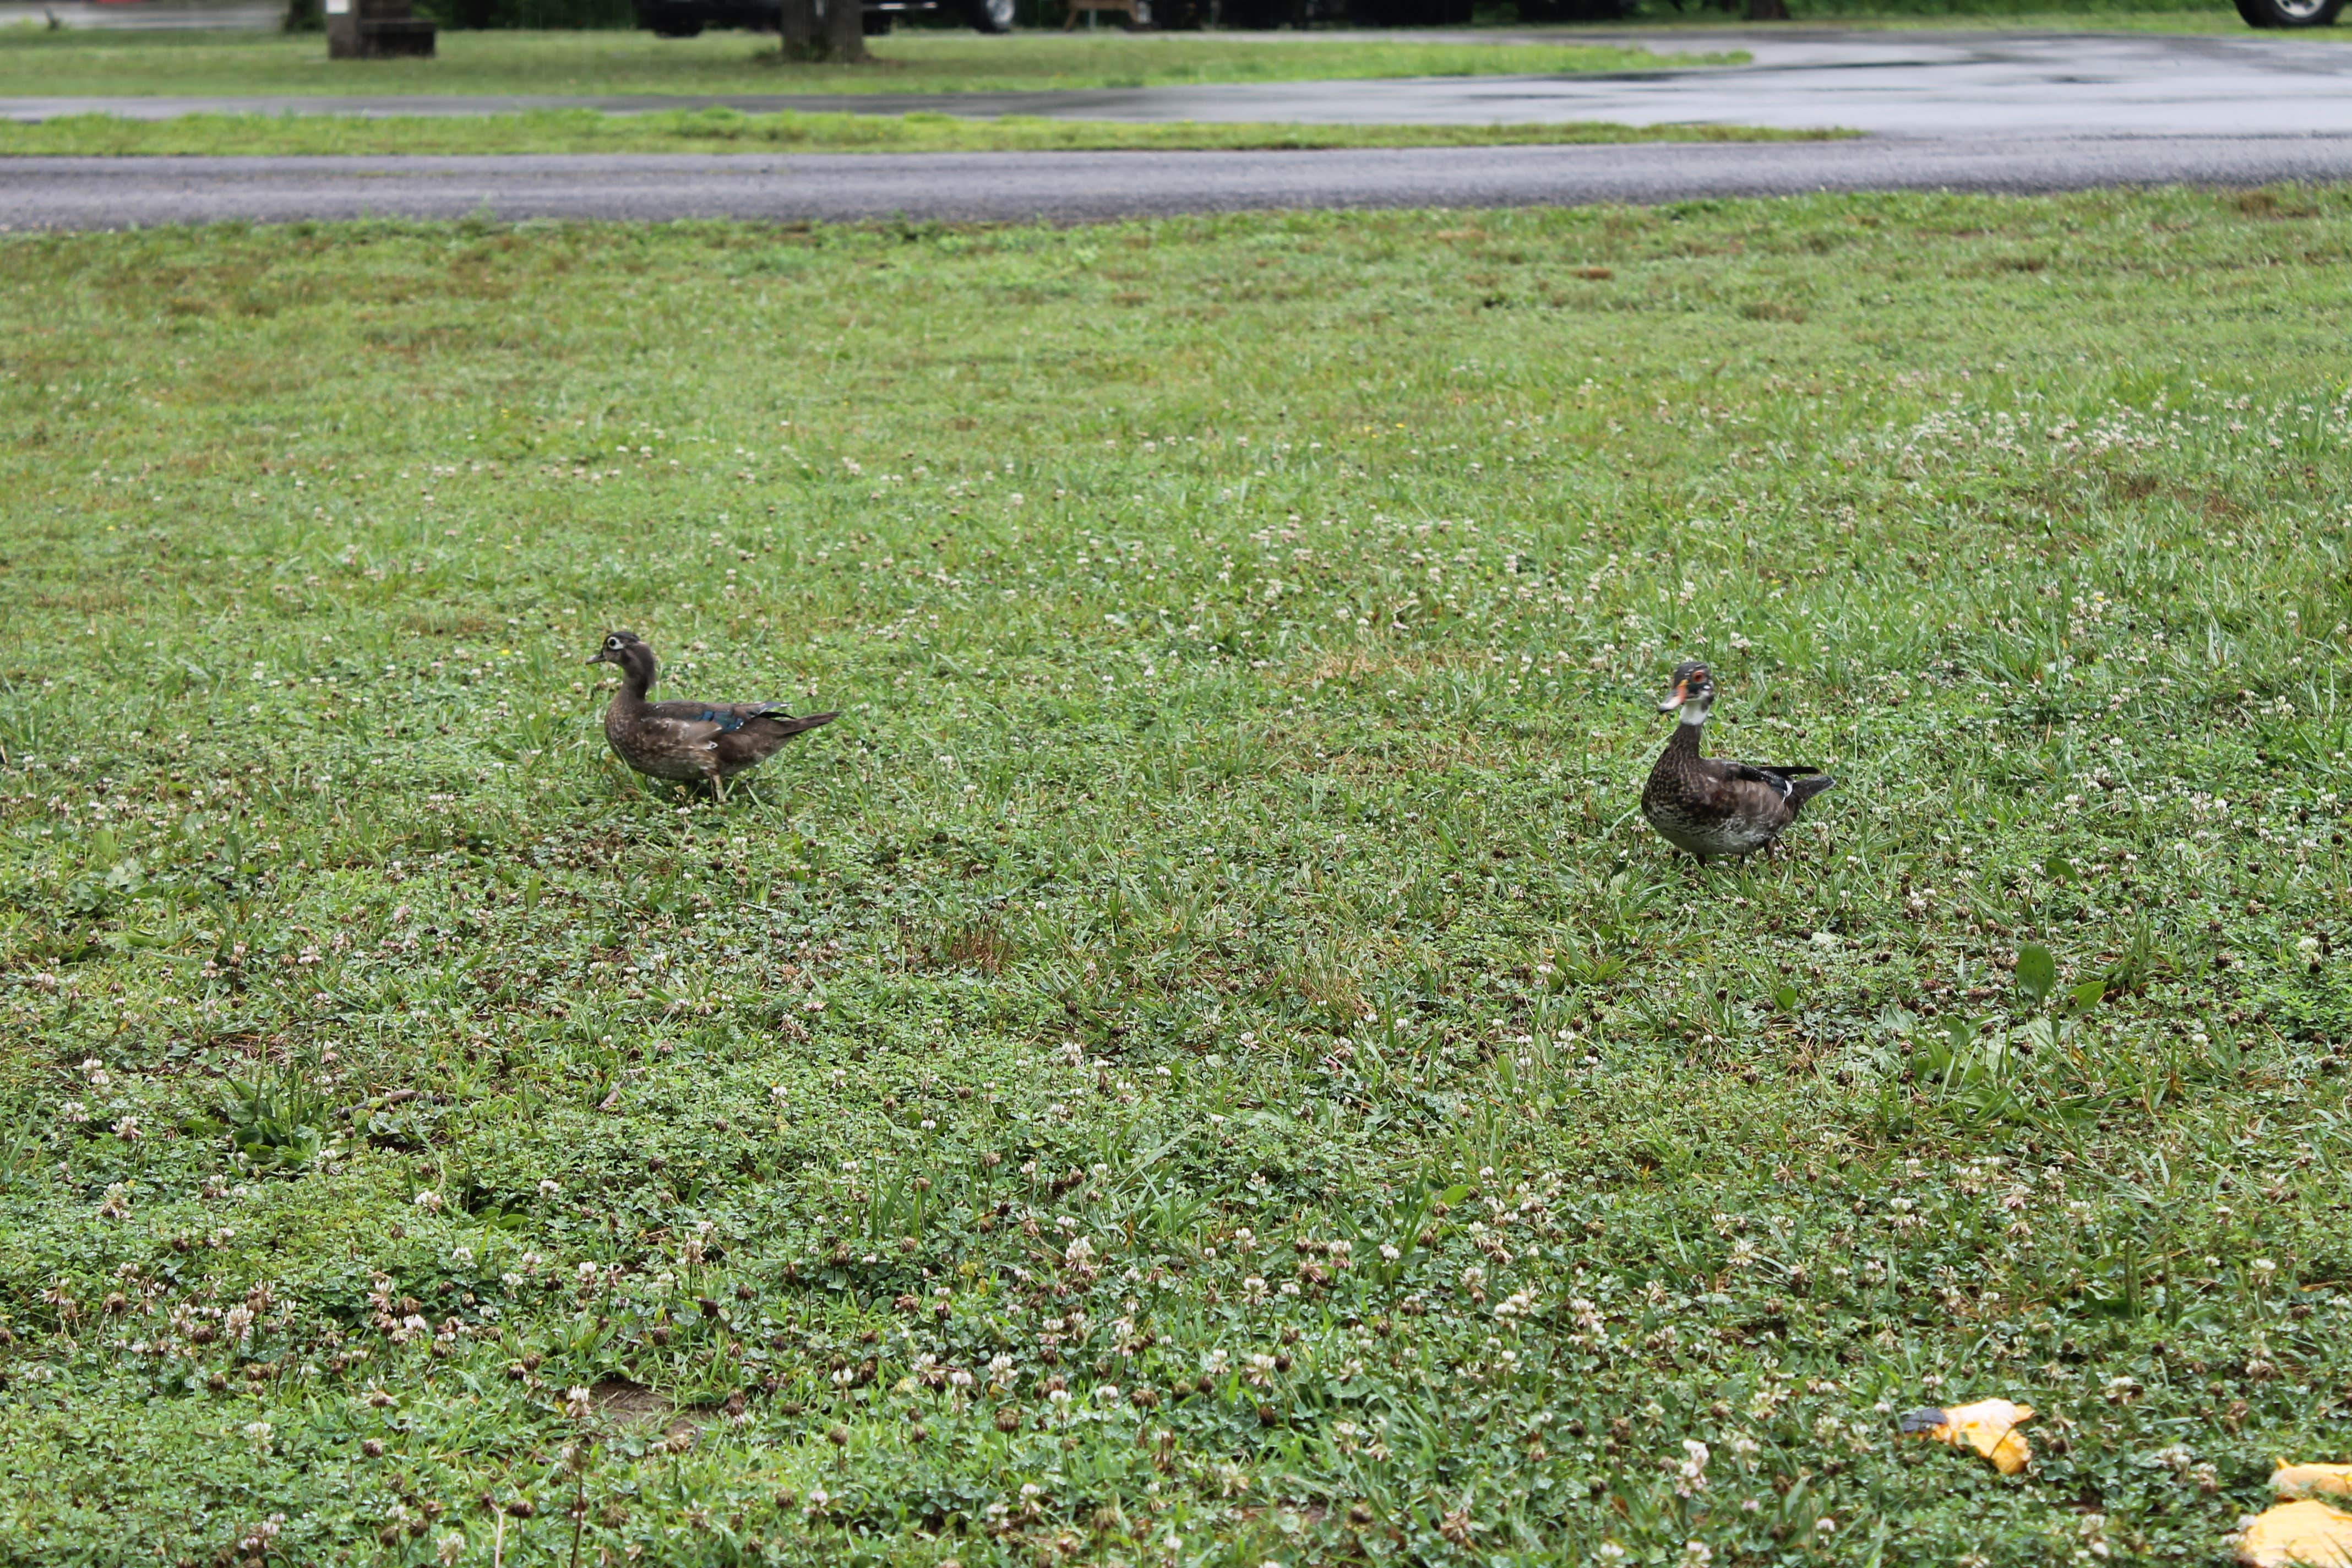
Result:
[689,741]
[1713,805]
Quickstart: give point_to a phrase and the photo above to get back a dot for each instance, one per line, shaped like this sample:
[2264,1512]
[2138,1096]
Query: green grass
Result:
[35,63]
[1246,631]
[726,131]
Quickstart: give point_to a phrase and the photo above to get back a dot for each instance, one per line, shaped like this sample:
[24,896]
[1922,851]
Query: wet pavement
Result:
[1957,111]
[114,193]
[147,16]
[1903,83]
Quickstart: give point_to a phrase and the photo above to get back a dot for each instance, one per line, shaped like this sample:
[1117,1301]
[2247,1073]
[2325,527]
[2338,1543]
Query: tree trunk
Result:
[799,29]
[844,31]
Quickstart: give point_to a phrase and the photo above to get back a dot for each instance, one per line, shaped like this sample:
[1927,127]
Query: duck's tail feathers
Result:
[1804,789]
[792,726]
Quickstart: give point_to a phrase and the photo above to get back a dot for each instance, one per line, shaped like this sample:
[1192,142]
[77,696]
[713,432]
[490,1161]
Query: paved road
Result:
[1923,83]
[112,192]
[2014,113]
[151,17]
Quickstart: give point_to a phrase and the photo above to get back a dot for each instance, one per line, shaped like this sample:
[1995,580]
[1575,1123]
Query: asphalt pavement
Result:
[1974,111]
[147,16]
[115,192]
[1909,83]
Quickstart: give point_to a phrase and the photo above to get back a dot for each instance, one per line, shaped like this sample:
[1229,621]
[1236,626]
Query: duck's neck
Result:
[636,679]
[1686,731]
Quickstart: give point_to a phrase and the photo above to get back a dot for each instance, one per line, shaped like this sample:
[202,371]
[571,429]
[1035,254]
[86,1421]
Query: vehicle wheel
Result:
[989,16]
[2290,13]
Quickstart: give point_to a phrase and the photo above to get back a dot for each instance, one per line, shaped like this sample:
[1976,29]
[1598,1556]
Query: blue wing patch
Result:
[730,719]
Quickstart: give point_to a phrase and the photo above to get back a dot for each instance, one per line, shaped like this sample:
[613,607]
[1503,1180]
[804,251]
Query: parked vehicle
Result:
[685,18]
[2290,13]
[1262,13]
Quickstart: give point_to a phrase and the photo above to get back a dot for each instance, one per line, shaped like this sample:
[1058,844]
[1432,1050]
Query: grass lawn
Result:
[1202,1064]
[35,63]
[726,131]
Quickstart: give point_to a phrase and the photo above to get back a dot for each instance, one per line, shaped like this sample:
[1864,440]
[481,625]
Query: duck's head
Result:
[631,652]
[1693,692]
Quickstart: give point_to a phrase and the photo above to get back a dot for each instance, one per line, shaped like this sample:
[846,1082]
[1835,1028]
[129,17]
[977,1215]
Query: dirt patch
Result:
[621,1403]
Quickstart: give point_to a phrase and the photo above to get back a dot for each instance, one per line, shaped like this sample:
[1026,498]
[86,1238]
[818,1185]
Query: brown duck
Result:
[712,741]
[1712,806]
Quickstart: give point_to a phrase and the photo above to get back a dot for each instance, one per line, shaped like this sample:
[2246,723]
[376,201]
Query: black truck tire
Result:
[2290,13]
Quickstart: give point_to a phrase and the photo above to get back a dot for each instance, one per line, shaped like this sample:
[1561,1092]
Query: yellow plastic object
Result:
[1989,1425]
[2302,1480]
[2298,1535]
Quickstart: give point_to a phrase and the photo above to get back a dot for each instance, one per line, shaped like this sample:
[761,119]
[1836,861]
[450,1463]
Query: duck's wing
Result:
[1781,780]
[722,718]
[783,725]
[1742,789]
[1794,785]
[762,736]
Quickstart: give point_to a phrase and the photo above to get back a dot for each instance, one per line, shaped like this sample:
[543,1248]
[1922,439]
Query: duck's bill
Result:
[1675,698]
